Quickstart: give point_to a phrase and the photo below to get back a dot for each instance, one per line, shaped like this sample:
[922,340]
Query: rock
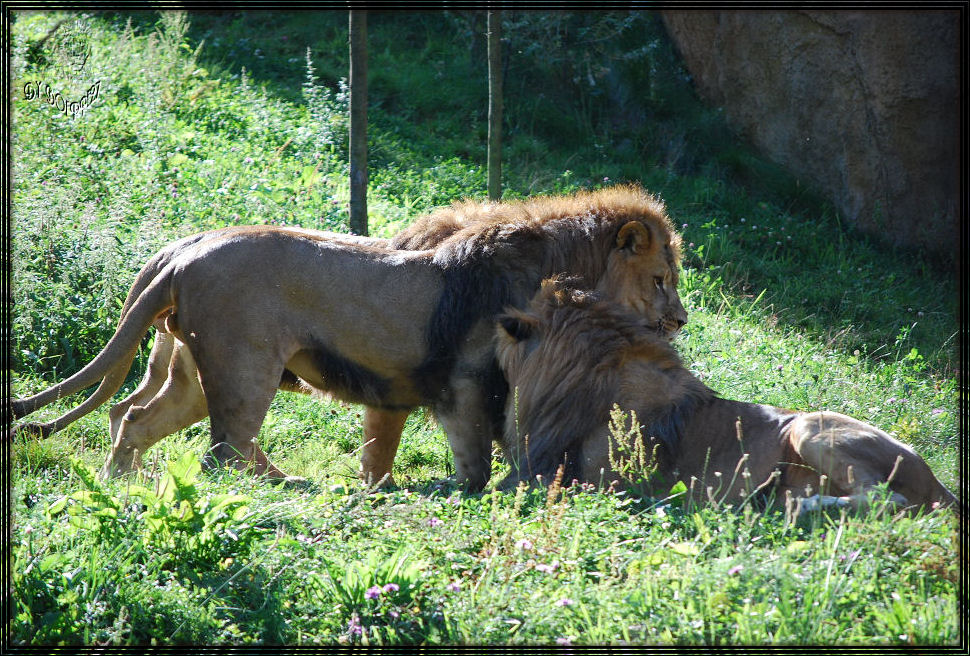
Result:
[863,105]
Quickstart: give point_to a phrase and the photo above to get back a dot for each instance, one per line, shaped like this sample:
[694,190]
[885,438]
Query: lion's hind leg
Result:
[160,361]
[238,395]
[856,457]
[178,403]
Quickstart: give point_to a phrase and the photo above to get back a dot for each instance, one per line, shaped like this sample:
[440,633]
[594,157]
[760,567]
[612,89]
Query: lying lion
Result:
[571,355]
[250,309]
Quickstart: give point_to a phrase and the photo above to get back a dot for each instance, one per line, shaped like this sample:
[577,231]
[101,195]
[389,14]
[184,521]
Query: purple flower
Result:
[564,641]
[434,521]
[565,601]
[392,587]
[525,544]
[734,570]
[937,411]
[453,586]
[373,592]
[547,569]
[354,627]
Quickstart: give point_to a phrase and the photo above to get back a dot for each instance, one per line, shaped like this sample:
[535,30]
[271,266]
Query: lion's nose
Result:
[680,323]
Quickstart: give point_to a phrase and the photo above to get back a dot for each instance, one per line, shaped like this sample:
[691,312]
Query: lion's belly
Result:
[723,432]
[353,382]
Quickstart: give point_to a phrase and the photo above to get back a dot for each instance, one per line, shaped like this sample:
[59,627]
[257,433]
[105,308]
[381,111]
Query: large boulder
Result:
[865,105]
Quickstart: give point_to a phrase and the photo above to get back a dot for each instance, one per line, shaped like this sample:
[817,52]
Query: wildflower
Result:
[525,544]
[564,641]
[453,586]
[434,521]
[937,411]
[547,569]
[392,587]
[354,627]
[248,160]
[734,570]
[373,592]
[742,219]
[565,601]
[684,226]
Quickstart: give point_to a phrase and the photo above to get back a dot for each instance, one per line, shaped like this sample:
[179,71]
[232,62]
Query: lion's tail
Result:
[111,365]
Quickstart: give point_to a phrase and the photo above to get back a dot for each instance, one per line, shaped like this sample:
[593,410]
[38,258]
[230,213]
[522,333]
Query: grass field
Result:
[211,119]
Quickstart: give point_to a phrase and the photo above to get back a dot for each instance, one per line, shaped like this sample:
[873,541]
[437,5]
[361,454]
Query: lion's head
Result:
[568,358]
[624,224]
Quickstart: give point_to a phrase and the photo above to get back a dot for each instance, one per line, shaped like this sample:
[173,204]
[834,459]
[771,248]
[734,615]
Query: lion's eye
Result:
[659,282]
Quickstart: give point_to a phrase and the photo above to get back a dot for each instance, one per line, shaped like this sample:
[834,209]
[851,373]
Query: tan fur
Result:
[571,356]
[253,308]
[171,390]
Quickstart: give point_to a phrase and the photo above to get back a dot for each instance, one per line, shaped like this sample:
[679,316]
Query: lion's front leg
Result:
[382,435]
[469,421]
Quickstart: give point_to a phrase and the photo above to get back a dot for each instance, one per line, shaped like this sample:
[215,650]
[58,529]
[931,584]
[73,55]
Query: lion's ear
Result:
[636,237]
[518,327]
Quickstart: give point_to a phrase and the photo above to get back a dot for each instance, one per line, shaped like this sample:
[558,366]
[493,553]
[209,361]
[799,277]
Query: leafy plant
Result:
[179,526]
[632,458]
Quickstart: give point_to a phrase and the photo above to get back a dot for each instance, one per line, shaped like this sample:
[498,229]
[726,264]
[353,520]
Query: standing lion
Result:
[254,308]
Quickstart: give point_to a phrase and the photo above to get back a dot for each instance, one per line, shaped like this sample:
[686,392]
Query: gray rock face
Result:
[864,105]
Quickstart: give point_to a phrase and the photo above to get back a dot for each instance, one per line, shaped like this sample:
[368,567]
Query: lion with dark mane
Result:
[247,310]
[571,355]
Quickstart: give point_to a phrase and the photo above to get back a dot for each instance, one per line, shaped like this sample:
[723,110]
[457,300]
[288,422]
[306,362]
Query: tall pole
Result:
[358,122]
[494,38]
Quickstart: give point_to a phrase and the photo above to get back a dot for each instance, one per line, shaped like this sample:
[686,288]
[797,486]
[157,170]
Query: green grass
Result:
[787,306]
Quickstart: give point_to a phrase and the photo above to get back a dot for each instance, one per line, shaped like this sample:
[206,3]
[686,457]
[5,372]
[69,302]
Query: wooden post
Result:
[358,122]
[494,38]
